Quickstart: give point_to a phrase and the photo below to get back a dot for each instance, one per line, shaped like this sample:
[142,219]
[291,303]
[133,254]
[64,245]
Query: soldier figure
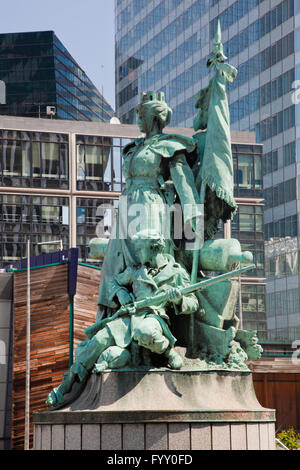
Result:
[148,327]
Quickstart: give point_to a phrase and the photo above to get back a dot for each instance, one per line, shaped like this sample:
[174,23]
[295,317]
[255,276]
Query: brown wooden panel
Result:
[49,340]
[50,333]
[281,392]
[85,300]
[284,401]
[50,346]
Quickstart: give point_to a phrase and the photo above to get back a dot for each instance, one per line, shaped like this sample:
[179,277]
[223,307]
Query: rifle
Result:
[164,297]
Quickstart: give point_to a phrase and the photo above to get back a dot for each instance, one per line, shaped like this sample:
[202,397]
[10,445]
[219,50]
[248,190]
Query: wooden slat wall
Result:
[277,385]
[50,333]
[50,317]
[280,391]
[85,300]
[49,340]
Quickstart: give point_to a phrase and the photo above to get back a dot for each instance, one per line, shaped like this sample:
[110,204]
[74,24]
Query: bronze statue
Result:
[155,291]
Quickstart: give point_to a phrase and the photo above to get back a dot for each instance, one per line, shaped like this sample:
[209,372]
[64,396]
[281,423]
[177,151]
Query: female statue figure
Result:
[148,163]
[161,172]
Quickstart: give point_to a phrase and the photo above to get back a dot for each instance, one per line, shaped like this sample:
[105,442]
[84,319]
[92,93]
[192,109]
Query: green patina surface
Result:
[146,318]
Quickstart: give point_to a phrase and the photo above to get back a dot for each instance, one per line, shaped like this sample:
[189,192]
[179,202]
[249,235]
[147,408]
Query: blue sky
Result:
[85,27]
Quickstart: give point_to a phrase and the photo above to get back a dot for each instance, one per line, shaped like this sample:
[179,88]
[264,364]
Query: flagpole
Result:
[27,380]
[199,235]
[199,240]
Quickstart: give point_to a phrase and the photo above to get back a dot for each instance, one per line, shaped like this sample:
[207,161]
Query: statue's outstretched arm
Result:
[183,179]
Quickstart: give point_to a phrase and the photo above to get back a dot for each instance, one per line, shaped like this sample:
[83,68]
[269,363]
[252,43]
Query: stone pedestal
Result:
[160,410]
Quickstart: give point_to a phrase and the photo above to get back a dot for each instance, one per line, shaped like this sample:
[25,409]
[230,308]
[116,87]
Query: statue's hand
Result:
[174,296]
[124,297]
[129,310]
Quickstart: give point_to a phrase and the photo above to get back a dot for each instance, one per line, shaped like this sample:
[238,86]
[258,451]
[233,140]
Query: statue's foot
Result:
[174,359]
[55,397]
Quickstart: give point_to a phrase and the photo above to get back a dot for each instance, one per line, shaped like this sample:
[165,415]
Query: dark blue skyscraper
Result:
[40,74]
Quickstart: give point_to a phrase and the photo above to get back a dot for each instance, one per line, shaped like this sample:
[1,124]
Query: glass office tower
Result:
[39,72]
[164,45]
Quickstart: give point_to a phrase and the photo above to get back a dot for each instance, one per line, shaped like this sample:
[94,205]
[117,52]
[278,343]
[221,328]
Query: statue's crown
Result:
[152,96]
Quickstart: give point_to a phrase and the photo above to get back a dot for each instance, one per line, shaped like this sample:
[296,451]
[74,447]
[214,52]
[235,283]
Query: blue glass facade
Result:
[130,79]
[38,72]
[262,39]
[171,57]
[130,34]
[147,77]
[273,18]
[247,71]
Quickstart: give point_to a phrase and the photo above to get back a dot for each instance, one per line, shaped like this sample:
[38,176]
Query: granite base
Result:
[160,410]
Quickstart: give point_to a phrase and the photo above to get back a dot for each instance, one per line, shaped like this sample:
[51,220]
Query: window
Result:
[95,217]
[282,228]
[93,162]
[253,302]
[49,159]
[282,121]
[245,171]
[40,218]
[41,156]
[15,158]
[280,194]
[247,222]
[275,160]
[99,163]
[50,214]
[259,218]
[289,154]
[116,169]
[257,172]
